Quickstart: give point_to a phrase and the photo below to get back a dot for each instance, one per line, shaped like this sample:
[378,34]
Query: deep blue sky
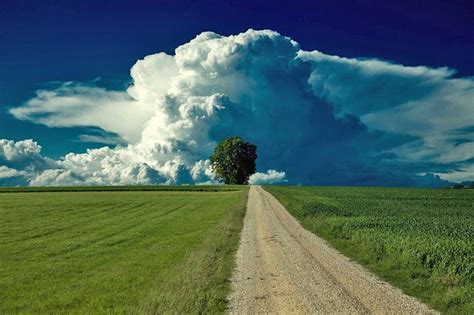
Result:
[44,41]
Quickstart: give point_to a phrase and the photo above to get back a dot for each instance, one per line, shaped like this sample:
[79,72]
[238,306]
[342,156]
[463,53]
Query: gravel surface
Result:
[283,268]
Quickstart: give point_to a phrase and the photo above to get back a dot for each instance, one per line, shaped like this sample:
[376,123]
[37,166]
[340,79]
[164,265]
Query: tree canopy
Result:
[233,160]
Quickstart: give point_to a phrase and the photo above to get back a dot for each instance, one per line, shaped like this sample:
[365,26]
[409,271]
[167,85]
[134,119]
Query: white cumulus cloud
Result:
[6,172]
[318,118]
[270,177]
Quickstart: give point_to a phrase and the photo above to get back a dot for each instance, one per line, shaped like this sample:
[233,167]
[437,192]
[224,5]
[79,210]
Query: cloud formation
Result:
[270,177]
[318,119]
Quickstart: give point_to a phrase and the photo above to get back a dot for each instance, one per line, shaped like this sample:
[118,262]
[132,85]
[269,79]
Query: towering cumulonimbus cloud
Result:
[316,118]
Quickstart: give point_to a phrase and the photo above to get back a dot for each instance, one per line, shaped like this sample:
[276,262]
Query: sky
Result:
[332,92]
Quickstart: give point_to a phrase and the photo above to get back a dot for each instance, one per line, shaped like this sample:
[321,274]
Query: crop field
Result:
[421,240]
[122,251]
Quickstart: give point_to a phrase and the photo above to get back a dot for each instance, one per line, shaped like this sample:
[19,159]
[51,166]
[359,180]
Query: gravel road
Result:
[282,268]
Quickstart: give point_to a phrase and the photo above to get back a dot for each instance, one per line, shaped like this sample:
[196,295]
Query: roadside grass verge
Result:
[118,251]
[202,282]
[421,240]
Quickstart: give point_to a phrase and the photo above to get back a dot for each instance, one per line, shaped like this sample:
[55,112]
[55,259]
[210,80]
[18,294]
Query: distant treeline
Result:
[462,186]
[198,188]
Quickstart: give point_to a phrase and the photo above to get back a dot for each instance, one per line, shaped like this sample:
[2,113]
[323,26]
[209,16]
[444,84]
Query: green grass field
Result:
[123,251]
[421,240]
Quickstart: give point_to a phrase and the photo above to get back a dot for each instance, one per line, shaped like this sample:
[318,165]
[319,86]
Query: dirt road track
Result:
[282,268]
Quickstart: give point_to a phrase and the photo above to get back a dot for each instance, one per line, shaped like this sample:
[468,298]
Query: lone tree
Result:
[233,160]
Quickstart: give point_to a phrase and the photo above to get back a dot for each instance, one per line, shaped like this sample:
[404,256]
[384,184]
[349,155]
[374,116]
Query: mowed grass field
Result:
[421,240]
[122,251]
